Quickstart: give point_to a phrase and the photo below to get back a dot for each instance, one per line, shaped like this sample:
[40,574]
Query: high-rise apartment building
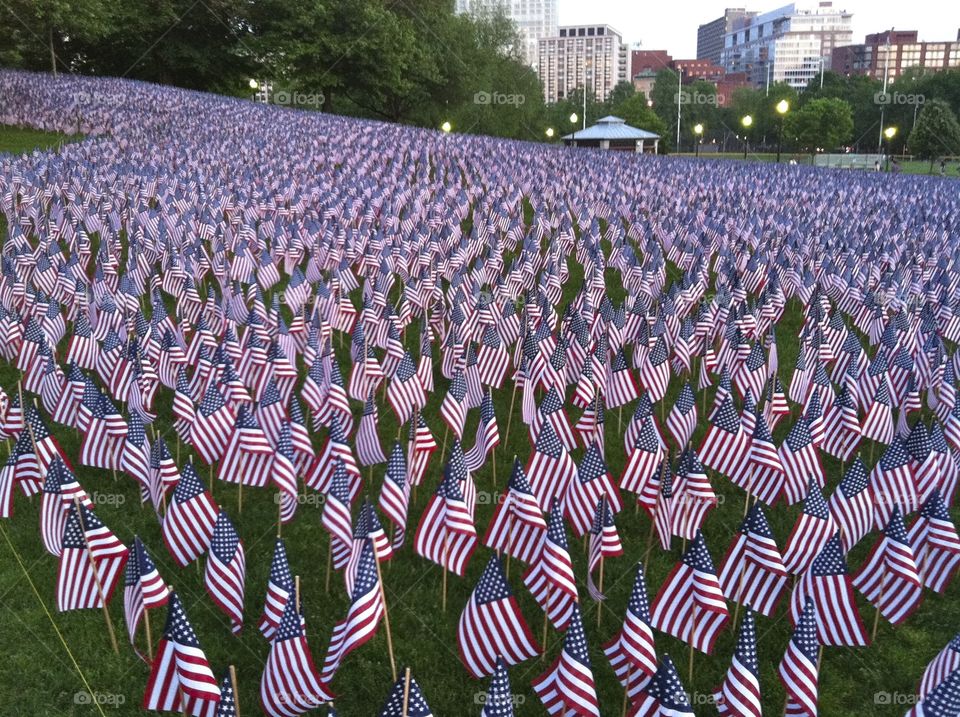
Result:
[894,52]
[791,44]
[534,18]
[591,56]
[710,35]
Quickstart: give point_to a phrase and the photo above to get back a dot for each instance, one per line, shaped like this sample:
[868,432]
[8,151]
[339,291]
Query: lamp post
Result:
[446,127]
[549,133]
[782,108]
[889,133]
[698,130]
[573,121]
[747,122]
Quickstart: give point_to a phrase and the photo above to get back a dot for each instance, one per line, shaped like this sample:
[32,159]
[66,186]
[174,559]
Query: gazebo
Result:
[614,133]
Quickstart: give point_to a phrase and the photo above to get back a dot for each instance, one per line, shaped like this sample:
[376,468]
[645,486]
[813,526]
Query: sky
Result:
[658,25]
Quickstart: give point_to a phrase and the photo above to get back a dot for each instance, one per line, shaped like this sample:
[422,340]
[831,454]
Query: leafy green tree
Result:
[664,96]
[937,132]
[621,92]
[636,113]
[824,123]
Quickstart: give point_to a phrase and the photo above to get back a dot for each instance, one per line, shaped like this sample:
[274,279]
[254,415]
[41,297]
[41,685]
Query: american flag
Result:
[752,373]
[567,687]
[363,616]
[421,446]
[446,534]
[336,517]
[662,695]
[369,452]
[813,529]
[290,684]
[592,483]
[692,496]
[725,444]
[280,589]
[631,652]
[942,701]
[488,436]
[551,469]
[517,526]
[135,455]
[550,579]
[889,578]
[226,571]
[935,543]
[453,409]
[190,518]
[212,426]
[690,604]
[924,463]
[248,456]
[765,473]
[395,494]
[91,561]
[550,412]
[405,700]
[752,572]
[878,423]
[841,426]
[644,459]
[143,588]
[621,388]
[491,626]
[655,370]
[739,695]
[336,448]
[180,677]
[682,420]
[945,663]
[828,583]
[851,505]
[60,490]
[405,392]
[893,484]
[800,460]
[284,474]
[799,668]
[367,528]
[498,700]
[604,543]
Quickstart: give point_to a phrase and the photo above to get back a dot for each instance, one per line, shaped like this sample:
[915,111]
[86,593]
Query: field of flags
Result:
[312,415]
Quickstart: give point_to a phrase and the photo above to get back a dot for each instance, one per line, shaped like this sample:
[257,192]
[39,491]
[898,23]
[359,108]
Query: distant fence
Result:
[849,160]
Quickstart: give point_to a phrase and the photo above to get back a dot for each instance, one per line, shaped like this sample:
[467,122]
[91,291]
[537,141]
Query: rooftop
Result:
[611,127]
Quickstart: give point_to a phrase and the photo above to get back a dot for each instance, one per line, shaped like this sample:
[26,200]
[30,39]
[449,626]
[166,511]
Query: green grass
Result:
[39,677]
[17,140]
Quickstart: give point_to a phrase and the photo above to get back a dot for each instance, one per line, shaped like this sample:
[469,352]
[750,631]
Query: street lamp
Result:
[782,108]
[446,127]
[573,121]
[254,84]
[698,130]
[549,132]
[747,122]
[889,133]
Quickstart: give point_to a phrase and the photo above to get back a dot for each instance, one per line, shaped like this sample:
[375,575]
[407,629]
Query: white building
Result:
[591,56]
[791,44]
[534,19]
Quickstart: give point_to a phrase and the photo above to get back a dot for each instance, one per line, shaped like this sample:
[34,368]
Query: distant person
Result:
[876,165]
[943,167]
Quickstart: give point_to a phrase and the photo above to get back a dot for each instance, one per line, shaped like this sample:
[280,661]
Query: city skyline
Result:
[655,26]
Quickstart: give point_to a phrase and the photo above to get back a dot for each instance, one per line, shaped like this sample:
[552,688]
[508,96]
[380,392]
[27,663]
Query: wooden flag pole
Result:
[600,589]
[326,584]
[690,682]
[296,594]
[876,616]
[626,693]
[96,576]
[513,398]
[406,691]
[236,690]
[446,548]
[446,430]
[239,497]
[386,614]
[146,617]
[279,512]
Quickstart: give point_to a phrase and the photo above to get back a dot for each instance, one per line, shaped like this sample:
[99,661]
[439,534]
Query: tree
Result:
[936,133]
[824,123]
[621,92]
[637,114]
[664,96]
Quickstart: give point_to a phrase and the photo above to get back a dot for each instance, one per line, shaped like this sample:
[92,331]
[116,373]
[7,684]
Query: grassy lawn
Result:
[75,652]
[17,140]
